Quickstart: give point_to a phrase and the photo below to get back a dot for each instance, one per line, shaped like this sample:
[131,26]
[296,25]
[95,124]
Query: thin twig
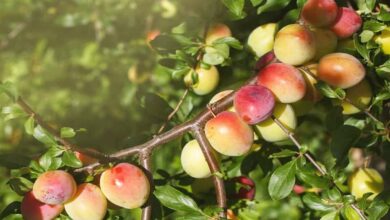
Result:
[177,107]
[39,120]
[313,161]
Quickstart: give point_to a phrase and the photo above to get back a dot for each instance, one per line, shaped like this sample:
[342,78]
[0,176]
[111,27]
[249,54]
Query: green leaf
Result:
[67,132]
[20,185]
[43,136]
[329,92]
[350,213]
[334,119]
[176,200]
[314,202]
[370,4]
[12,112]
[362,50]
[12,208]
[10,89]
[331,216]
[309,176]
[234,6]
[213,58]
[282,181]
[366,36]
[29,125]
[272,5]
[333,194]
[377,210]
[256,2]
[231,41]
[384,14]
[342,140]
[384,70]
[374,26]
[283,153]
[45,161]
[70,159]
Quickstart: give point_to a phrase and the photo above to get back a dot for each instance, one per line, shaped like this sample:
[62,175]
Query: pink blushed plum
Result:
[254,103]
[33,209]
[347,23]
[125,185]
[285,81]
[320,13]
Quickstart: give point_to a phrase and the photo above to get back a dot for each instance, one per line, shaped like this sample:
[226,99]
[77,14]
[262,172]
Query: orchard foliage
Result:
[82,80]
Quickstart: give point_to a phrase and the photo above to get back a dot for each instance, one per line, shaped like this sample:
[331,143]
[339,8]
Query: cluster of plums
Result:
[123,185]
[305,53]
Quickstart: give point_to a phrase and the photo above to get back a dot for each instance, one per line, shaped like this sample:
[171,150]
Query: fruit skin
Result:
[359,95]
[254,103]
[347,23]
[33,209]
[326,42]
[207,80]
[384,40]
[285,81]
[319,13]
[229,135]
[193,161]
[216,32]
[125,185]
[261,39]
[294,45]
[54,187]
[270,131]
[341,70]
[365,180]
[89,203]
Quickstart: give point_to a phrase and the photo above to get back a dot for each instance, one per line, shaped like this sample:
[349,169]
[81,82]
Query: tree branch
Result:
[39,120]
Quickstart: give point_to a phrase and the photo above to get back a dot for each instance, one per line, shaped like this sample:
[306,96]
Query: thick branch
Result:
[213,164]
[145,160]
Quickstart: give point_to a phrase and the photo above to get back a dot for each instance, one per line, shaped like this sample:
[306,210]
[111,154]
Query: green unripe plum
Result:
[359,95]
[261,39]
[89,203]
[54,187]
[341,70]
[295,45]
[365,180]
[326,42]
[229,134]
[33,209]
[193,161]
[207,80]
[270,131]
[125,185]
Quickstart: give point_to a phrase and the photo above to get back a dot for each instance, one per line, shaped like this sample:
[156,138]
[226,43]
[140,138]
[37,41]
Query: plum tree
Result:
[193,161]
[365,180]
[294,45]
[254,103]
[347,23]
[285,81]
[33,209]
[360,95]
[125,185]
[270,131]
[319,13]
[261,39]
[89,203]
[207,80]
[229,124]
[54,187]
[341,70]
[247,189]
[85,159]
